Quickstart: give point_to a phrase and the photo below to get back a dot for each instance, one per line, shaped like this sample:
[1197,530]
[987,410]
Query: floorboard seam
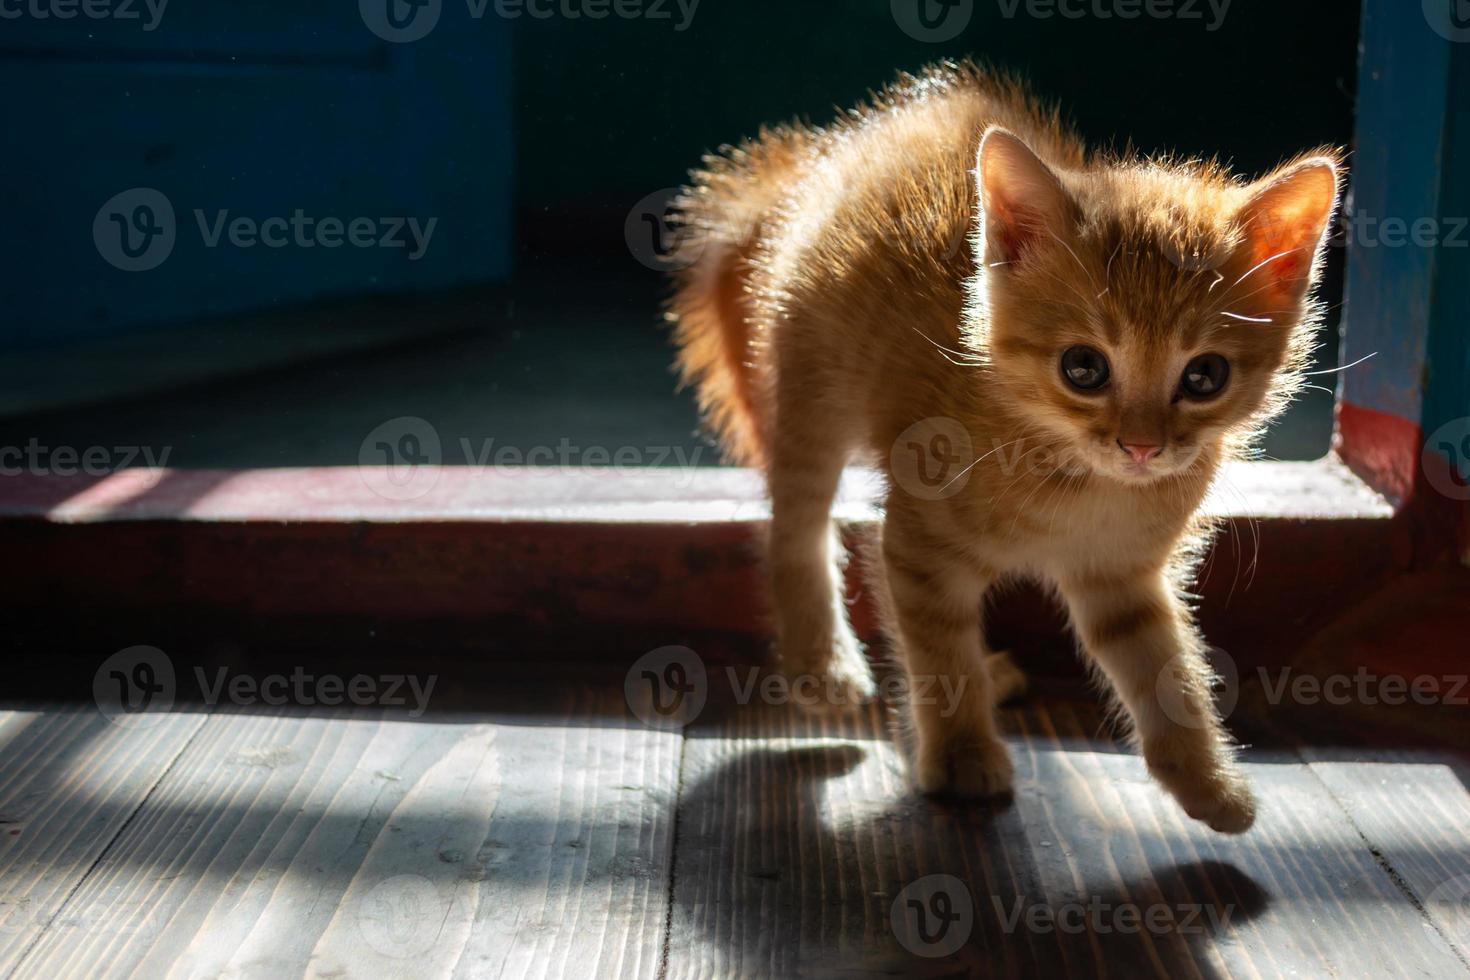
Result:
[1387,866]
[107,848]
[663,966]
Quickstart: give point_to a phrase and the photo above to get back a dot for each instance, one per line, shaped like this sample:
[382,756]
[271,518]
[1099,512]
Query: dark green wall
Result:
[611,110]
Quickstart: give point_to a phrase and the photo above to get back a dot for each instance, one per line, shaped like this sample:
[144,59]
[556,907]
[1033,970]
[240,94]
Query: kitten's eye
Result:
[1085,368]
[1205,377]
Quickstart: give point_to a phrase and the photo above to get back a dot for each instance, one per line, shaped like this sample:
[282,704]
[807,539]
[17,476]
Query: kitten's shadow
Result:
[792,883]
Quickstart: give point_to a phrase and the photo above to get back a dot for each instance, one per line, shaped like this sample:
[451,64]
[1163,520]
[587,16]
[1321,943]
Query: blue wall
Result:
[255,111]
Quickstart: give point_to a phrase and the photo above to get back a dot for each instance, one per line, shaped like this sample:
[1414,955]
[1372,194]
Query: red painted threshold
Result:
[503,555]
[1322,490]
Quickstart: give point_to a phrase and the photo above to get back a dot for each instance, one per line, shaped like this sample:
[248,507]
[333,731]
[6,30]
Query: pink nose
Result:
[1140,452]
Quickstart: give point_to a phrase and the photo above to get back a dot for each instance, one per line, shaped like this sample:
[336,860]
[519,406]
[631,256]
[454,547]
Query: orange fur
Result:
[904,283]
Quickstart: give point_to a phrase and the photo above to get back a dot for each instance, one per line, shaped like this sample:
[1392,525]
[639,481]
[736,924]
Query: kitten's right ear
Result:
[1021,201]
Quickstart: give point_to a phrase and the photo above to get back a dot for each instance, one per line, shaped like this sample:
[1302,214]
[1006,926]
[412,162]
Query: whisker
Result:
[1022,509]
[1248,319]
[1309,374]
[1108,272]
[1060,281]
[1258,268]
[978,461]
[946,351]
[1084,269]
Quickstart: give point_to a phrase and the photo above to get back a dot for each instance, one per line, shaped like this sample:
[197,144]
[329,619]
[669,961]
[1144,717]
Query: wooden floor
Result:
[562,838]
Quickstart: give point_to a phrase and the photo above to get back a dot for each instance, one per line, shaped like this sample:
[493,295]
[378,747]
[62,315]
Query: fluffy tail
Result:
[722,217]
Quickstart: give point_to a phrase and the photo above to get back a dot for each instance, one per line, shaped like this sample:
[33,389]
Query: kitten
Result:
[947,279]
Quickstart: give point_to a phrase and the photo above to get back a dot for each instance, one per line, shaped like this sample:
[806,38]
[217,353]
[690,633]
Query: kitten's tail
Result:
[723,216]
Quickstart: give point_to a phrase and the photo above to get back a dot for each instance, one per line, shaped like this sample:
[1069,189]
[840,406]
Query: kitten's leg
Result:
[1142,637]
[936,607]
[820,656]
[1006,678]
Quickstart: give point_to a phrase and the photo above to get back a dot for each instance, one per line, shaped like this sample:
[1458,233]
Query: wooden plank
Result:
[1310,897]
[1413,810]
[70,782]
[534,842]
[798,836]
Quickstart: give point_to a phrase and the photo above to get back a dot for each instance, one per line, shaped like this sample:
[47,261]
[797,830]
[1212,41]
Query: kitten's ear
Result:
[1021,201]
[1285,227]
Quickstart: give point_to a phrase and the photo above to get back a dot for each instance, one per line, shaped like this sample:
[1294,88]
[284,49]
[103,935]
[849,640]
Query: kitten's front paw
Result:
[972,769]
[1220,798]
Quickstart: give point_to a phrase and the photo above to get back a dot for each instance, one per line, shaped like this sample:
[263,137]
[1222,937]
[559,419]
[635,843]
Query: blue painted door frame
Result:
[1408,223]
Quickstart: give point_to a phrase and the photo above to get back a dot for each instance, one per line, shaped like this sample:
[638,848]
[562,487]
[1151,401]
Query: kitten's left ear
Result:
[1022,203]
[1285,226]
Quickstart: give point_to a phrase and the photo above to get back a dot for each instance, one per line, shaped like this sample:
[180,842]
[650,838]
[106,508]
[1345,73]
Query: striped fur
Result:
[923,262]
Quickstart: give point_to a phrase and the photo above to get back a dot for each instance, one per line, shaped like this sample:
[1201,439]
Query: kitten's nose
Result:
[1141,452]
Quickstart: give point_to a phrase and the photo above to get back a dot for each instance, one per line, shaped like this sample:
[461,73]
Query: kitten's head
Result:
[1144,313]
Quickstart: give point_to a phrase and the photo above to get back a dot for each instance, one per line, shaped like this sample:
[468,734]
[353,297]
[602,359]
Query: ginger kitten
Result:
[950,273]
